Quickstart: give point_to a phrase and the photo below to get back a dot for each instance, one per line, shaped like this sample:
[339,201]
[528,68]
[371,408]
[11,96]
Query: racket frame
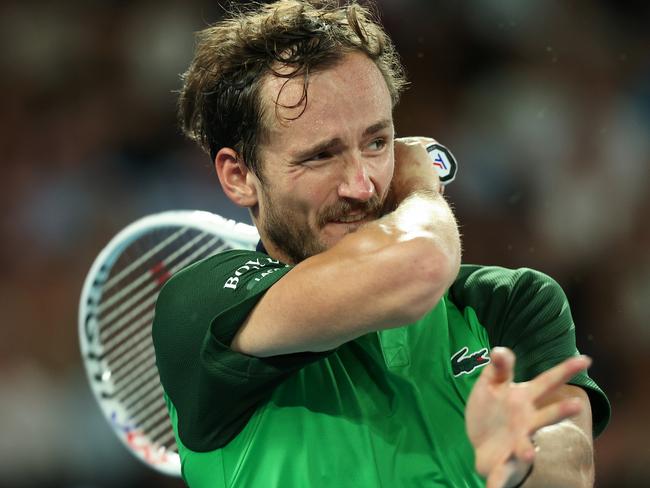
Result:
[234,234]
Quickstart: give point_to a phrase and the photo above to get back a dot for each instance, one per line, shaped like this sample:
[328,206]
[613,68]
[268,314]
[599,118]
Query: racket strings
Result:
[140,406]
[148,272]
[149,417]
[160,431]
[152,251]
[115,329]
[167,441]
[129,354]
[135,375]
[125,315]
[152,285]
[137,402]
[125,327]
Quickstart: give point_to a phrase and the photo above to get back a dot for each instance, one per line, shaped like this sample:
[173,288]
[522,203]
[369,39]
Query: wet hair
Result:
[220,104]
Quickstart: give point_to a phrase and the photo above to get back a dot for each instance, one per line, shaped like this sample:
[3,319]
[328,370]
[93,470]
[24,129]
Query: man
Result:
[343,352]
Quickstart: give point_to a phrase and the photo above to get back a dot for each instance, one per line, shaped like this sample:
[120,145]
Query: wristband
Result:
[443,161]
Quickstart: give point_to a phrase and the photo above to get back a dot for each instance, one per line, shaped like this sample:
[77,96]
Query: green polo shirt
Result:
[383,410]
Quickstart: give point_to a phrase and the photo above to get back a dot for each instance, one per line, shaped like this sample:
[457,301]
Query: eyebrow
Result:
[381,125]
[335,142]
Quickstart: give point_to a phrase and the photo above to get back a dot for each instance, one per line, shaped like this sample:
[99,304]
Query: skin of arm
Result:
[564,454]
[388,273]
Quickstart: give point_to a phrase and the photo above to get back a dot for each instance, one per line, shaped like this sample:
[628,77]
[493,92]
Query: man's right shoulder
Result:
[219,290]
[224,266]
[216,281]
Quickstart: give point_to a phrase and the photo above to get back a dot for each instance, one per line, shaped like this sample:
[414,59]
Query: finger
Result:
[510,473]
[525,450]
[424,141]
[411,149]
[501,366]
[556,412]
[407,143]
[558,375]
[500,475]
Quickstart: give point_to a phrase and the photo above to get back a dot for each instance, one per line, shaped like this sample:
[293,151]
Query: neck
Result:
[267,246]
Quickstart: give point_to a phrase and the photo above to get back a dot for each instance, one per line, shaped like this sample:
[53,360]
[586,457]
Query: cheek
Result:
[384,176]
[316,190]
[293,203]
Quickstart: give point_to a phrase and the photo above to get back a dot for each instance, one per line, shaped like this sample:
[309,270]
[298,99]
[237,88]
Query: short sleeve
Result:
[214,389]
[527,311]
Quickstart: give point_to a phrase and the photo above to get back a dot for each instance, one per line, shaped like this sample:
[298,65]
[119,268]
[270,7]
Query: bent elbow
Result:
[431,271]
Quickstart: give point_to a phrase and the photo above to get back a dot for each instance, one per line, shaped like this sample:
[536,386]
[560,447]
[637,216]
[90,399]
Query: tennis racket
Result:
[116,314]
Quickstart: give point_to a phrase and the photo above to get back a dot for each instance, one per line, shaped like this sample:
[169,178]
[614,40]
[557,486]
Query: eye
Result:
[317,158]
[377,144]
[320,156]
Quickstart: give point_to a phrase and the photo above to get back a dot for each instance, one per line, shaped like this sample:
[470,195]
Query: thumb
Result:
[501,367]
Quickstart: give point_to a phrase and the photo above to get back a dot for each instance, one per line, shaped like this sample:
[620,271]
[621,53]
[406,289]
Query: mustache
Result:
[342,208]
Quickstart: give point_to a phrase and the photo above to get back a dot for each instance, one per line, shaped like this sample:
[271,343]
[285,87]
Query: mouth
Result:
[351,218]
[349,223]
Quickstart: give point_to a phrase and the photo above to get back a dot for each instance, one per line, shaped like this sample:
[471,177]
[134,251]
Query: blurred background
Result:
[546,105]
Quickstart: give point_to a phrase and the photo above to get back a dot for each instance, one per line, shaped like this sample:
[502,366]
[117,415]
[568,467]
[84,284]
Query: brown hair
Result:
[219,104]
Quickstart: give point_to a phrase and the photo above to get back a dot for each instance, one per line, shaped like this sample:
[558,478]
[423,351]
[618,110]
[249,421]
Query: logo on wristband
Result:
[443,161]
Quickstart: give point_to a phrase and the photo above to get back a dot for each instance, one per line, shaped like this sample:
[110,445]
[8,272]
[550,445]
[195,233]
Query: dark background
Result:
[546,105]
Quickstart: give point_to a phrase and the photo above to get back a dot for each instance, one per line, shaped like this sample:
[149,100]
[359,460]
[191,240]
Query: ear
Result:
[237,181]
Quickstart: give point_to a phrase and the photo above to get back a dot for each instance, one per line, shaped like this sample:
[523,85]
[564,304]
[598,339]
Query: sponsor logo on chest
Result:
[463,363]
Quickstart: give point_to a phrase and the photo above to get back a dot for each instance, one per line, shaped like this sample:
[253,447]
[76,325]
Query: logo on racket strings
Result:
[139,442]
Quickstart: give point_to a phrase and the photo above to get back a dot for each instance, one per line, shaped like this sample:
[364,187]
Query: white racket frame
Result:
[236,234]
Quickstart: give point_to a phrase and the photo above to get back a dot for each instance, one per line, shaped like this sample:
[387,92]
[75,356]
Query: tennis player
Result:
[352,349]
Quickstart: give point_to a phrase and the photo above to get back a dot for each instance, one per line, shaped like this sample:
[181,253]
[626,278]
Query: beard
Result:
[291,233]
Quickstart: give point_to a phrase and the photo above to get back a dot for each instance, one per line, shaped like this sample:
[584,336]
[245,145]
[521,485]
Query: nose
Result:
[356,183]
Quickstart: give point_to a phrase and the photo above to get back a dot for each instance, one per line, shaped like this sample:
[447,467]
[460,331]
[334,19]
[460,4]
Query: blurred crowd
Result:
[545,104]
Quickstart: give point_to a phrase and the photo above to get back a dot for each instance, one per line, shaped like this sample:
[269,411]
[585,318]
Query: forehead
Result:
[345,96]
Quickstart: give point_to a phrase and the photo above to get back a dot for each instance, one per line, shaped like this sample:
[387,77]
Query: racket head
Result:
[116,315]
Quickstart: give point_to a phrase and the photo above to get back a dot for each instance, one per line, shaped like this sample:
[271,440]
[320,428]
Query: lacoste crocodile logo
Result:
[462,364]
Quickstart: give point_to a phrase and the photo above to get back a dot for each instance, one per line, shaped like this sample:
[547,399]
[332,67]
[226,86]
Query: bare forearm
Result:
[564,458]
[404,261]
